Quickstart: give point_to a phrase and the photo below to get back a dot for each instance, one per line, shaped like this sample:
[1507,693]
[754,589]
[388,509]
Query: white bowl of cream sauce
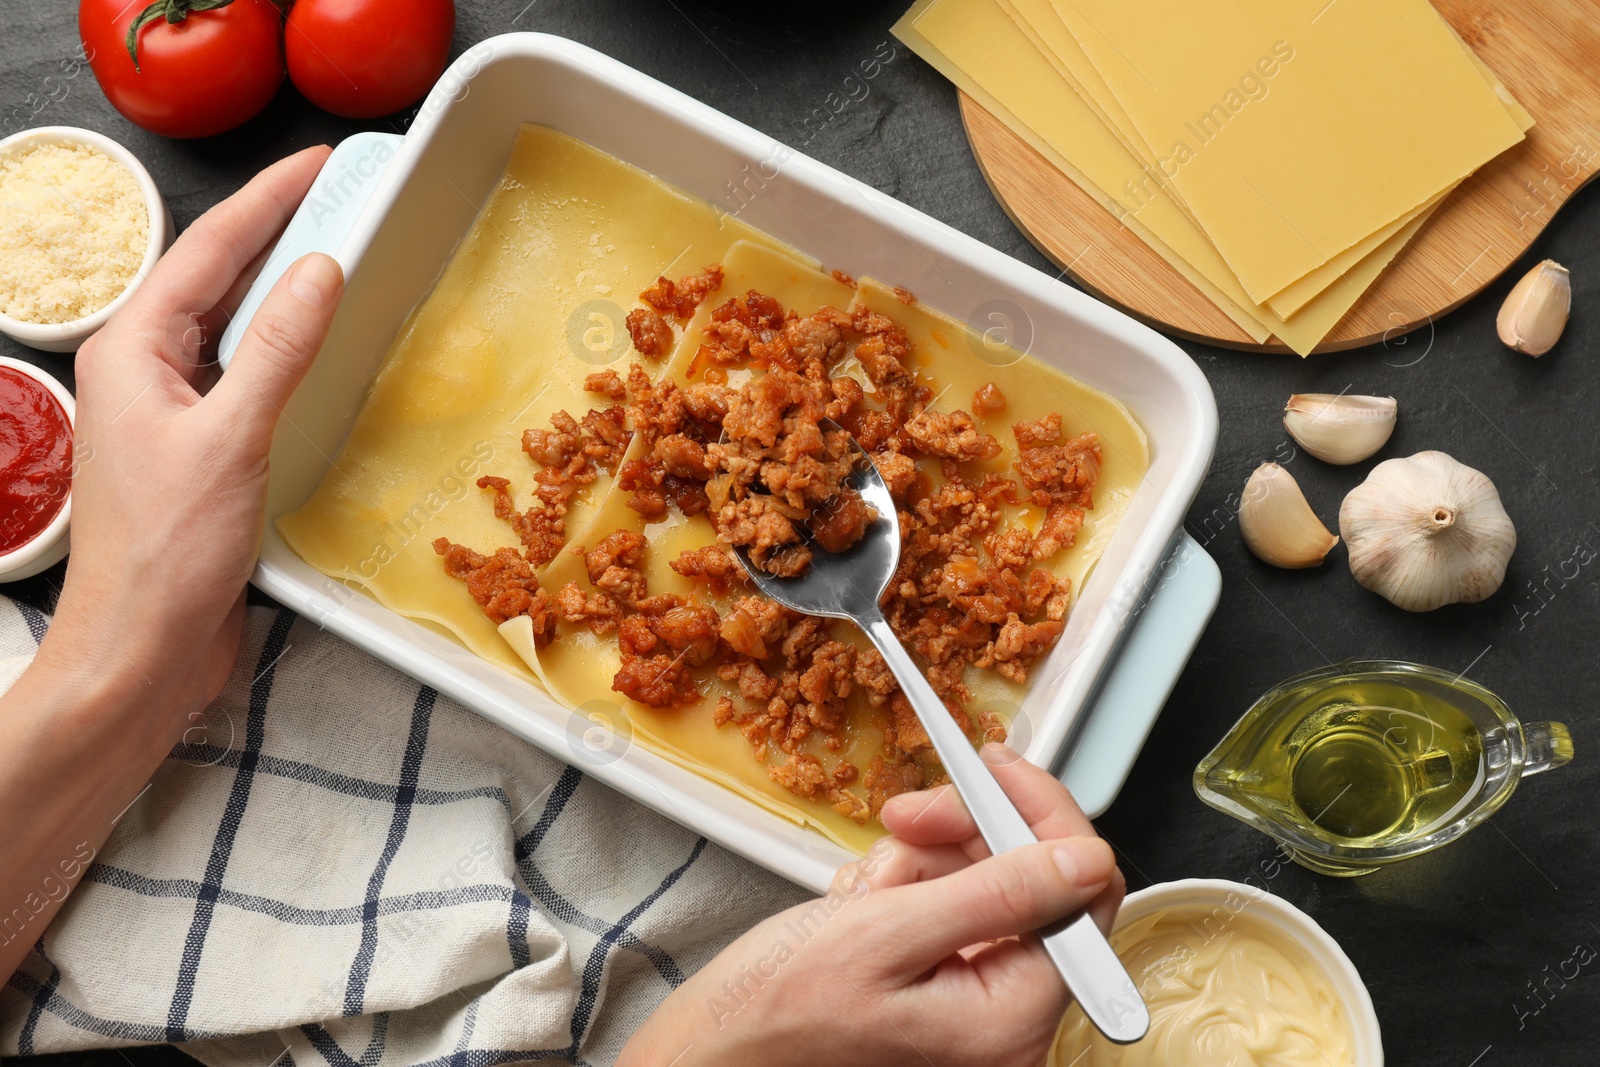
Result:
[1233,977]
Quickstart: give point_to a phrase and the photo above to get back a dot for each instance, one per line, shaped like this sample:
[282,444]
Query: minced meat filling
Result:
[972,591]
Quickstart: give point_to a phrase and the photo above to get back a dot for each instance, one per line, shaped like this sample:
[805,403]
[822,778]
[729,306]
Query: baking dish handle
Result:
[321,222]
[1179,601]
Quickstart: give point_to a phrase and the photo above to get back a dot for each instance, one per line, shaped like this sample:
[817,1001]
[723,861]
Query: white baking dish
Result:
[391,211]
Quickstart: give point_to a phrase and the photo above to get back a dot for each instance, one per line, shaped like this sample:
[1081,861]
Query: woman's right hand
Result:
[920,953]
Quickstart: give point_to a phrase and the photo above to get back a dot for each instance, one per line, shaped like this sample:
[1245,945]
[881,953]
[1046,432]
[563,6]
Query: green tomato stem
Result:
[174,11]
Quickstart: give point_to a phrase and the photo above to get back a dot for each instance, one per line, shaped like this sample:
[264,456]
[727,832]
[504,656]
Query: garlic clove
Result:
[1338,428]
[1426,531]
[1536,309]
[1277,523]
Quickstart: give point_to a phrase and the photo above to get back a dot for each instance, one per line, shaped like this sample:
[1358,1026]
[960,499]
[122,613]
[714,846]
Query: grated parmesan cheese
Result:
[73,231]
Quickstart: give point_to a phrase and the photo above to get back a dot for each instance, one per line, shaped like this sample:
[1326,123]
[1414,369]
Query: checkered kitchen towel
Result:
[342,868]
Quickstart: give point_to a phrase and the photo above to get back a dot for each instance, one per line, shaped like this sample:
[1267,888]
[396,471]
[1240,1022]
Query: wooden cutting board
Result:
[1547,52]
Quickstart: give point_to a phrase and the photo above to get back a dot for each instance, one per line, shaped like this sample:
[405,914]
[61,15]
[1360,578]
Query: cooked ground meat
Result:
[653,488]
[1056,472]
[655,409]
[683,456]
[755,623]
[802,775]
[661,681]
[841,522]
[769,533]
[607,383]
[714,563]
[606,436]
[898,471]
[598,610]
[776,466]
[950,435]
[615,566]
[988,400]
[651,335]
[706,402]
[503,585]
[1059,530]
[542,528]
[1017,645]
[555,447]
[682,298]
[970,592]
[648,327]
[873,675]
[685,625]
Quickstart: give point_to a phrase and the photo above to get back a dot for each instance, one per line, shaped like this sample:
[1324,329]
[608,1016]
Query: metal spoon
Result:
[848,585]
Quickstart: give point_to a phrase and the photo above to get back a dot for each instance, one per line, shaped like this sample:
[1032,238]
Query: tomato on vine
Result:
[185,68]
[366,58]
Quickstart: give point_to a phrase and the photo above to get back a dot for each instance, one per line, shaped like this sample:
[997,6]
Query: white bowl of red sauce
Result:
[36,465]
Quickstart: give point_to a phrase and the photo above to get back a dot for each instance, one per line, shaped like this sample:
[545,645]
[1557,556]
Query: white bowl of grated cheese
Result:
[76,237]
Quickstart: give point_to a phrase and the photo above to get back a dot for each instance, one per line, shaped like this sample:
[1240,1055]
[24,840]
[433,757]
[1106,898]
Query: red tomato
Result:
[366,58]
[213,68]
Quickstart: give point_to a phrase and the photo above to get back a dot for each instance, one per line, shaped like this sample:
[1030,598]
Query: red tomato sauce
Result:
[35,458]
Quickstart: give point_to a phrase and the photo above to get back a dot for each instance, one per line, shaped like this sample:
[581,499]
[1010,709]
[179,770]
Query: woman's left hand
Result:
[171,474]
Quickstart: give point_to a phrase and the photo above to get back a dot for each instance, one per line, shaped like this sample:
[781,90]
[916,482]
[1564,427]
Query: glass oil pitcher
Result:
[1364,763]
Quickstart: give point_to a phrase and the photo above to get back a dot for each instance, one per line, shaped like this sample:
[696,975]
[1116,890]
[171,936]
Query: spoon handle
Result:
[1079,950]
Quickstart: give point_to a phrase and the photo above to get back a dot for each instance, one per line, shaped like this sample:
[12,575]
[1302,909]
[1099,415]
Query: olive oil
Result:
[1359,776]
[1360,764]
[1360,759]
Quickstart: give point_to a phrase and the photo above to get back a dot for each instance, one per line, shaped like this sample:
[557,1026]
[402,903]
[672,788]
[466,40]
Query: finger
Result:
[1021,975]
[203,265]
[893,863]
[1021,968]
[938,816]
[1104,907]
[204,262]
[201,343]
[1003,896]
[279,345]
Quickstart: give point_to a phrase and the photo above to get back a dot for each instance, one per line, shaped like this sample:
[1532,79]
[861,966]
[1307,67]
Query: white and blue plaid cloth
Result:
[339,867]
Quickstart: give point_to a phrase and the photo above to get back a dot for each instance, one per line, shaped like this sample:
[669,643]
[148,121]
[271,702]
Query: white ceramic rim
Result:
[1290,921]
[155,238]
[51,535]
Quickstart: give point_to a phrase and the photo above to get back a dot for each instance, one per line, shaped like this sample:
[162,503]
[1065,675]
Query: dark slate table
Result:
[1463,949]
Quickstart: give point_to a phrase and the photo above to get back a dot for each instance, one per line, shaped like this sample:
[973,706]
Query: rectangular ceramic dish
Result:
[392,209]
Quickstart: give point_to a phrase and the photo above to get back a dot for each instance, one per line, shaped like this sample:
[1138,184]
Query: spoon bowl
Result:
[848,584]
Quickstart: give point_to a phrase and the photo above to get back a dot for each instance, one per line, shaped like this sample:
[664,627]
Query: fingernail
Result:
[920,800]
[1081,860]
[998,755]
[315,279]
[895,803]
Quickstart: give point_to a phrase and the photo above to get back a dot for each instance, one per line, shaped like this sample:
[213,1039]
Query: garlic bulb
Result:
[1536,309]
[1277,523]
[1337,428]
[1427,531]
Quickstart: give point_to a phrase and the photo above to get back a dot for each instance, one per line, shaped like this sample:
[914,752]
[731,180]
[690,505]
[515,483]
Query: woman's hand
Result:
[168,495]
[920,953]
[170,485]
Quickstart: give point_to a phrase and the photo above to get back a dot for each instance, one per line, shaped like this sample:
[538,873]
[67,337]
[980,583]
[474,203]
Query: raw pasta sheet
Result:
[1369,111]
[982,47]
